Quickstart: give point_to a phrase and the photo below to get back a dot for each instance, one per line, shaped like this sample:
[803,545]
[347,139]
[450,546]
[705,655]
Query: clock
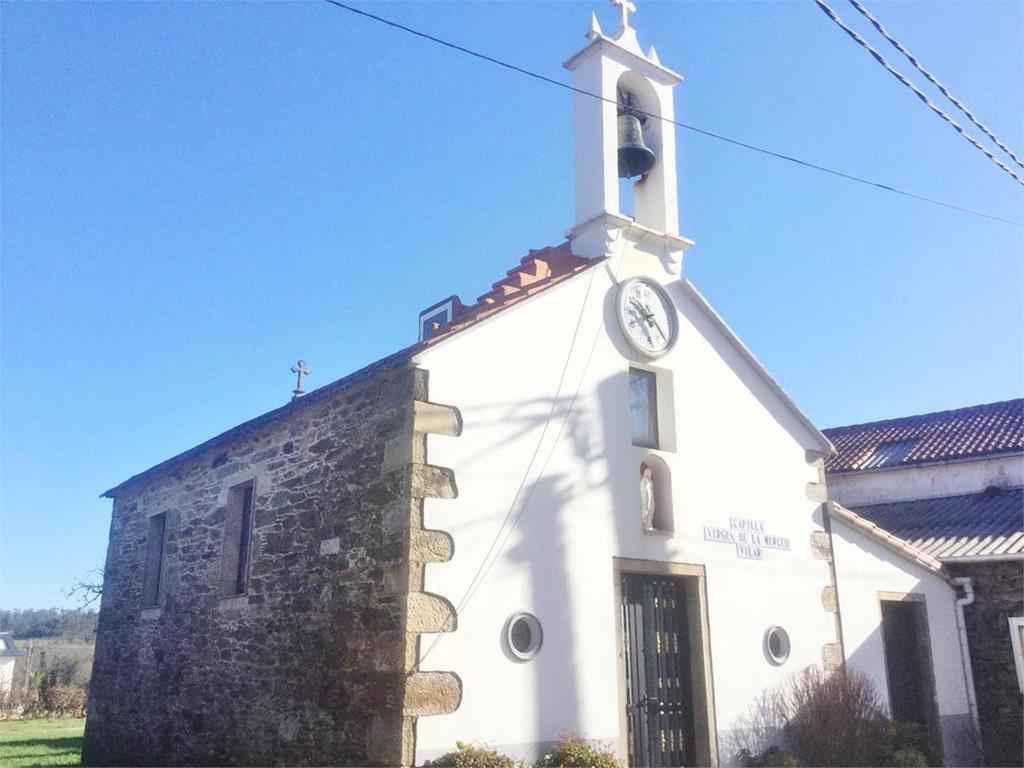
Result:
[646,316]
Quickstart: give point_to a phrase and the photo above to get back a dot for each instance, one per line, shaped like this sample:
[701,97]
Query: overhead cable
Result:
[521,500]
[701,131]
[917,91]
[934,80]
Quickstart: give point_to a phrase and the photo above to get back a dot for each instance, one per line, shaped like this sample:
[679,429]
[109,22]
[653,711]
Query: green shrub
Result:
[470,756]
[907,758]
[773,757]
[911,745]
[572,752]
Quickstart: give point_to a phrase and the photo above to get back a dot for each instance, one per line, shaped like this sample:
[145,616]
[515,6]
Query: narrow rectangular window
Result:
[237,539]
[154,560]
[643,407]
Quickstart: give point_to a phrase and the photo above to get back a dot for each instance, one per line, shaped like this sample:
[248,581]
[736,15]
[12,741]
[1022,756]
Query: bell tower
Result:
[611,134]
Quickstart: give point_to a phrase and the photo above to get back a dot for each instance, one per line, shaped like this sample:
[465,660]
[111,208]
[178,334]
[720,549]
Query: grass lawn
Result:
[26,743]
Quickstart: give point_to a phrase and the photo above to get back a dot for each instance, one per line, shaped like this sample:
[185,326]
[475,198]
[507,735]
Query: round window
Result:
[523,636]
[776,645]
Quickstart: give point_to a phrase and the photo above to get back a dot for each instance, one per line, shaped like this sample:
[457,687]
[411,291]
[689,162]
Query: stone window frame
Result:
[663,401]
[651,408]
[239,524]
[153,564]
[1017,640]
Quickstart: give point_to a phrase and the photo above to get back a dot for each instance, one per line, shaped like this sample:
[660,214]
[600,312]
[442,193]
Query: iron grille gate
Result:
[659,697]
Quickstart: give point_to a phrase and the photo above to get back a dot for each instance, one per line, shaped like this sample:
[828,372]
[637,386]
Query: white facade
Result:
[929,481]
[733,448]
[548,511]
[6,675]
[868,572]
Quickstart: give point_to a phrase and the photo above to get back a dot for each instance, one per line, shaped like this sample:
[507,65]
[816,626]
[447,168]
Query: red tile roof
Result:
[974,432]
[536,272]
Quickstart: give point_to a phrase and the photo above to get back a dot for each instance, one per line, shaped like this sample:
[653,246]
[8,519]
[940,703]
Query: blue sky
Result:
[195,195]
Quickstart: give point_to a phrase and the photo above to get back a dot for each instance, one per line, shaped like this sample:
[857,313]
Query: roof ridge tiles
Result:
[901,420]
[974,431]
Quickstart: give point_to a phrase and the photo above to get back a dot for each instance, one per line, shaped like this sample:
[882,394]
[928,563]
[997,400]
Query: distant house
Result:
[951,484]
[9,654]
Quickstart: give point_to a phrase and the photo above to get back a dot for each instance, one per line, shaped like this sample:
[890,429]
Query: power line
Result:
[701,131]
[934,81]
[515,509]
[917,91]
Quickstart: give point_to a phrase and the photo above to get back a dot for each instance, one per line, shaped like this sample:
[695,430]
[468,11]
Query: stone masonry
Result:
[313,664]
[998,594]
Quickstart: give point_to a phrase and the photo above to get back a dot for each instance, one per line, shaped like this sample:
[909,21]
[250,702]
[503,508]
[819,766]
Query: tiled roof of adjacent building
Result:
[980,430]
[986,524]
[887,539]
[8,649]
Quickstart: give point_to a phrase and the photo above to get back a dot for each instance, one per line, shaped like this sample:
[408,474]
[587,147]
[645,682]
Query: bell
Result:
[635,159]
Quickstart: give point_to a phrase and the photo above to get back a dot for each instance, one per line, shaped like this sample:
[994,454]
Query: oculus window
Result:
[643,407]
[523,636]
[776,645]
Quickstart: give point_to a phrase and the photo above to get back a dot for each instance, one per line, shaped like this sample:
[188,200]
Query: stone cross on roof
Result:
[625,8]
[300,370]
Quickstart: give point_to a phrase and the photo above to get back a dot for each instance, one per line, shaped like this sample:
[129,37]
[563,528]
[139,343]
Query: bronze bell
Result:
[635,159]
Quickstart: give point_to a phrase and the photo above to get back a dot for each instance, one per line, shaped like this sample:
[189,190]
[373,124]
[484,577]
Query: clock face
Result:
[647,317]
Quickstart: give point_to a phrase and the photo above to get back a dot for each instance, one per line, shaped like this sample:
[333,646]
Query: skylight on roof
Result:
[888,454]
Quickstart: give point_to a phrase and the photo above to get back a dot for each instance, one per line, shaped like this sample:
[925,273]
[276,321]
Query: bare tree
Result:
[89,589]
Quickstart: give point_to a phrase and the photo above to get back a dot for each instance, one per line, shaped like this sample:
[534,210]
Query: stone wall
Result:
[999,594]
[309,666]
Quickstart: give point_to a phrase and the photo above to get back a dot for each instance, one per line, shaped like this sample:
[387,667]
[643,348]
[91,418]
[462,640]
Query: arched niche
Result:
[663,520]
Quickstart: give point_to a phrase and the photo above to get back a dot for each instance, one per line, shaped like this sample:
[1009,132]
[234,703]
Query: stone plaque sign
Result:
[749,535]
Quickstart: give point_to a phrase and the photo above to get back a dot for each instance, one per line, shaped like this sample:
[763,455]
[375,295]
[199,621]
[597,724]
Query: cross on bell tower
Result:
[625,8]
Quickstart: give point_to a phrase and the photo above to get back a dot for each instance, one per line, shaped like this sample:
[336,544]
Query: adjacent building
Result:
[9,653]
[951,484]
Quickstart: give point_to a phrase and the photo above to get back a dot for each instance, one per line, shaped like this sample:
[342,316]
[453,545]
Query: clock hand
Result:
[636,304]
[644,311]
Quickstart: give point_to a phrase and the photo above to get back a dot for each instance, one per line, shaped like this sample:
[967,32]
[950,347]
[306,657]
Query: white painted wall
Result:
[881,486]
[6,675]
[864,568]
[737,451]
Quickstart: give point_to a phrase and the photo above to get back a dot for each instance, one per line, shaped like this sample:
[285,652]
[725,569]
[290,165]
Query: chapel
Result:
[578,503]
